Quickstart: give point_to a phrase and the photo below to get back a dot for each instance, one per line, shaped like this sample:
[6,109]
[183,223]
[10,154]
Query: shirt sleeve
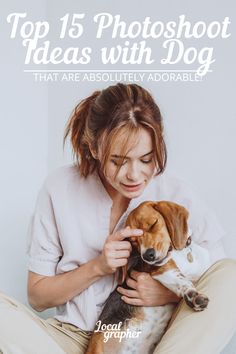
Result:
[208,232]
[217,252]
[44,248]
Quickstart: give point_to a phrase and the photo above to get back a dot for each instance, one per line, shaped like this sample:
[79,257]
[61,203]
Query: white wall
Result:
[24,152]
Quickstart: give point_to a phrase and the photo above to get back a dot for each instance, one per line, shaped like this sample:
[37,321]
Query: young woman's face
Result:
[136,170]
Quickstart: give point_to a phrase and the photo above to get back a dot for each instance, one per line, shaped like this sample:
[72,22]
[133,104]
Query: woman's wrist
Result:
[167,297]
[172,297]
[98,267]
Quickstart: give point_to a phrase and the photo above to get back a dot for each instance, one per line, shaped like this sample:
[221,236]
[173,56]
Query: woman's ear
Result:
[93,151]
[94,154]
[175,217]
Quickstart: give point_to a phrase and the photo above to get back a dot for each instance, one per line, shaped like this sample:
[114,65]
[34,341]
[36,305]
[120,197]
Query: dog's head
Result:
[164,226]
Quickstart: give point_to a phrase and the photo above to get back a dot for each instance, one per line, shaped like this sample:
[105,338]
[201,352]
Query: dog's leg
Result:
[96,344]
[170,276]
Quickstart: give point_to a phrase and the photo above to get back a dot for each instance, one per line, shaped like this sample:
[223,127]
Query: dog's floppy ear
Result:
[131,221]
[122,273]
[175,217]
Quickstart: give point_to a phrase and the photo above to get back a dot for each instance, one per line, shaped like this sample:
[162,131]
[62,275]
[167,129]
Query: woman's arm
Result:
[49,291]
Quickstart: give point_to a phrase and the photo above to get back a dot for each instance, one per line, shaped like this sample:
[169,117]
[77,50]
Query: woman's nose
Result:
[133,173]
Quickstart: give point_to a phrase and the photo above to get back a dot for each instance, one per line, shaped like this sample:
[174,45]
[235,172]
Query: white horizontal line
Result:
[107,71]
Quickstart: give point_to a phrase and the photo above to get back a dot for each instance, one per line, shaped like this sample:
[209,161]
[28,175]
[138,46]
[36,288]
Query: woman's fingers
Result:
[128,292]
[138,275]
[131,283]
[132,301]
[120,262]
[121,245]
[127,232]
[116,250]
[120,254]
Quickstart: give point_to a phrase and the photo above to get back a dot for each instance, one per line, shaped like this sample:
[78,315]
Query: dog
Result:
[166,252]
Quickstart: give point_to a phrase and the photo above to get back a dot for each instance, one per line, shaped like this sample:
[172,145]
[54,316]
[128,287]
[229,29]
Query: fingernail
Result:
[138,232]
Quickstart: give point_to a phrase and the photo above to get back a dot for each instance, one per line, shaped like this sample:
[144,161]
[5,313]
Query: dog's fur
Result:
[171,260]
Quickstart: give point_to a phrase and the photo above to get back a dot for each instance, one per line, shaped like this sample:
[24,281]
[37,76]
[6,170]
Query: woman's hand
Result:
[116,251]
[146,291]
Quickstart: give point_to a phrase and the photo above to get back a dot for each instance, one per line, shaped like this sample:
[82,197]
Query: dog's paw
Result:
[198,302]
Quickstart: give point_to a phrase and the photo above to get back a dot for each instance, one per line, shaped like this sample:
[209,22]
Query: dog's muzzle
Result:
[149,256]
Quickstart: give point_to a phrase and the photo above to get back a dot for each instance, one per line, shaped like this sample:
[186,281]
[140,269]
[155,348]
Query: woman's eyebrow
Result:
[120,156]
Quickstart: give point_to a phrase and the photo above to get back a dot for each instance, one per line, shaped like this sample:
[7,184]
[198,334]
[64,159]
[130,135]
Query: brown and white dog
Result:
[165,251]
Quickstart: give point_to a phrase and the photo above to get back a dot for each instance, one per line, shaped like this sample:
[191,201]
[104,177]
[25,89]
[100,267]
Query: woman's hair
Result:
[99,119]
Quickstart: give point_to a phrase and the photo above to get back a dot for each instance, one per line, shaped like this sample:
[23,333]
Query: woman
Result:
[77,234]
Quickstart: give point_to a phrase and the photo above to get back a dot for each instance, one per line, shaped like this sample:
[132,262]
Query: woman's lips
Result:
[131,187]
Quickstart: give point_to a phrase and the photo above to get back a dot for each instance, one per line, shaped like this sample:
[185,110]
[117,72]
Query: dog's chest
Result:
[151,329]
[192,261]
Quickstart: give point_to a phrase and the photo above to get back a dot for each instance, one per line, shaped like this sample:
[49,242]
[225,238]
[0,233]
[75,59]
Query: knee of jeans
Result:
[227,266]
[219,278]
[226,263]
[7,301]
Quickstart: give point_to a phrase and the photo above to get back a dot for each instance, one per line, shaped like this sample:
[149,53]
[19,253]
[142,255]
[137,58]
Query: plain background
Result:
[199,121]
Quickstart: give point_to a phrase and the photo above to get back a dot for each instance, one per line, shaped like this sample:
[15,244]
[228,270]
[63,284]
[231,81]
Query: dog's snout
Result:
[149,255]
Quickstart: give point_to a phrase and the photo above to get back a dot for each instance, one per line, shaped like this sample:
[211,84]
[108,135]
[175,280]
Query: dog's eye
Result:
[153,224]
[189,240]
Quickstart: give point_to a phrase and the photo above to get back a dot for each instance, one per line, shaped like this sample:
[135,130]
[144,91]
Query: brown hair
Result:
[98,119]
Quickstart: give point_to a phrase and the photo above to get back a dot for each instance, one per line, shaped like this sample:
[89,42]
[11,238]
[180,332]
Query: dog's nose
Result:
[149,255]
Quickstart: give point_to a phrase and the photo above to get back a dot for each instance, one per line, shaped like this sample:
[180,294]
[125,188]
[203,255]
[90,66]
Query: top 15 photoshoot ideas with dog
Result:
[176,41]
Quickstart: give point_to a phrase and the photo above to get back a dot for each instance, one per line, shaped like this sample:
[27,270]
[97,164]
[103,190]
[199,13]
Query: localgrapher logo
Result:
[130,329]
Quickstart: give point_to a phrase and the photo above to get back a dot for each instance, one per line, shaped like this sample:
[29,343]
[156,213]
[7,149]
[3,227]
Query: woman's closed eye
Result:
[117,163]
[147,161]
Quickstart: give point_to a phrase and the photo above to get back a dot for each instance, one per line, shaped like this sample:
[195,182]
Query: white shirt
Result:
[71,223]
